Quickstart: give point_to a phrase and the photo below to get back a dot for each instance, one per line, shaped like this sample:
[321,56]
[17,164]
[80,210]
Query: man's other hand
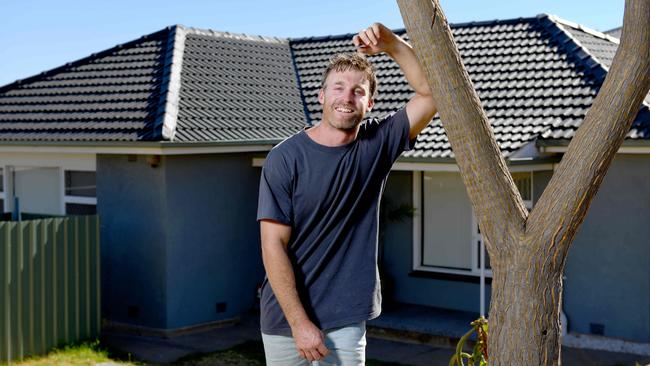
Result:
[310,341]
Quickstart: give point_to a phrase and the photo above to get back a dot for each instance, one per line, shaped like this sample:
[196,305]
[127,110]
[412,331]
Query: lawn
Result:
[89,353]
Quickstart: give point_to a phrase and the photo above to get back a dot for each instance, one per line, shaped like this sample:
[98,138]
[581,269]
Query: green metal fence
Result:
[49,284]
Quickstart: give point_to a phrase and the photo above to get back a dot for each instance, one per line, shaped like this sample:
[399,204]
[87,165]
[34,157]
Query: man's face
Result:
[345,98]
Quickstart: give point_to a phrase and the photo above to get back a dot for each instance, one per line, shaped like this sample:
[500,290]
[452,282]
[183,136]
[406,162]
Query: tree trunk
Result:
[524,311]
[528,252]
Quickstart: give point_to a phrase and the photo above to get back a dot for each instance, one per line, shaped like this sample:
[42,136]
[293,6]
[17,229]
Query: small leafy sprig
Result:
[479,354]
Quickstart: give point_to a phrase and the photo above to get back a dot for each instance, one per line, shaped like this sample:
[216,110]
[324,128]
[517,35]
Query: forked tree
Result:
[528,251]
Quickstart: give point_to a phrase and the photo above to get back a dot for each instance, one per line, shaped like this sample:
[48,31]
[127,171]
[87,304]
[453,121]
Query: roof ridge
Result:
[581,27]
[573,46]
[323,38]
[492,22]
[92,56]
[238,36]
[301,90]
[403,30]
[164,126]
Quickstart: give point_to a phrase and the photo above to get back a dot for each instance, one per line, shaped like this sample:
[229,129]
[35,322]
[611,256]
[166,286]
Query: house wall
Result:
[188,241]
[131,203]
[608,268]
[213,249]
[179,241]
[607,271]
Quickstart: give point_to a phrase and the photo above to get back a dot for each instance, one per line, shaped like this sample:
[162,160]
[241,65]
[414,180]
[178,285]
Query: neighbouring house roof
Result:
[535,76]
[615,32]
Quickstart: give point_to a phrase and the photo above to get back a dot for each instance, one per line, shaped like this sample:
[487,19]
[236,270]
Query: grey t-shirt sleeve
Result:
[395,130]
[275,194]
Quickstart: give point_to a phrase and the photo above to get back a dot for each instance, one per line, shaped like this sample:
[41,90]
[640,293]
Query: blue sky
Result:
[37,35]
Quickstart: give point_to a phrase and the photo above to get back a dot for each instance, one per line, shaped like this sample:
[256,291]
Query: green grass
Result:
[83,354]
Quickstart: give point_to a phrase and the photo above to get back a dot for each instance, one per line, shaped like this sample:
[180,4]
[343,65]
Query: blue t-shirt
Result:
[330,198]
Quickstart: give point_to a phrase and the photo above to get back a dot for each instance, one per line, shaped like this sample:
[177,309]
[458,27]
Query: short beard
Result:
[347,124]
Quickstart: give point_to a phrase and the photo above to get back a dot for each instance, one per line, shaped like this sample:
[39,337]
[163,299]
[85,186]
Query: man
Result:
[318,209]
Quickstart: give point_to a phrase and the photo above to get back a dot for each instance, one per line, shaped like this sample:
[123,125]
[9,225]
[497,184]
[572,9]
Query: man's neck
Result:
[327,135]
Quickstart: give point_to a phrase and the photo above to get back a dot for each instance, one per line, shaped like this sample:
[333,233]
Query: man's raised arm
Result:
[377,38]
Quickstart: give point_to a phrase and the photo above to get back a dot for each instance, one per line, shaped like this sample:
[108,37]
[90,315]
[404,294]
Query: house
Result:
[164,137]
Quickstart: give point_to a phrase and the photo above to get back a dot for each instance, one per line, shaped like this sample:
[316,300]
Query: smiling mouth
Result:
[343,109]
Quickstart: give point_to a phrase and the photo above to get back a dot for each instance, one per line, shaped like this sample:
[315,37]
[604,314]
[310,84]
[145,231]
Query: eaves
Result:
[137,148]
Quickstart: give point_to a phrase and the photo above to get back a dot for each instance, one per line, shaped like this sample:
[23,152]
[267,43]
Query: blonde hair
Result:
[352,61]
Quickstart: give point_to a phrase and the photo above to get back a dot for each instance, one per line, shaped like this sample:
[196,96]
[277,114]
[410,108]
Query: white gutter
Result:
[621,150]
[144,150]
[441,167]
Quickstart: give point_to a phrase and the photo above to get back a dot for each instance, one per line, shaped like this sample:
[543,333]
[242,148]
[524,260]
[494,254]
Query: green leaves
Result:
[479,354]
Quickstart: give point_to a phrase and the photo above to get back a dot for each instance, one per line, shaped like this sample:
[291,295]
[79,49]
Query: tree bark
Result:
[565,201]
[489,184]
[528,252]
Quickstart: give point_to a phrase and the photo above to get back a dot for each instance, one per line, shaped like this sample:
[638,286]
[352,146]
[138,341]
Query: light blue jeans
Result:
[347,347]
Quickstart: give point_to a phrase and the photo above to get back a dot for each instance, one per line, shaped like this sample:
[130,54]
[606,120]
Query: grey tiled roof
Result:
[112,95]
[236,87]
[597,51]
[179,84]
[535,76]
[529,74]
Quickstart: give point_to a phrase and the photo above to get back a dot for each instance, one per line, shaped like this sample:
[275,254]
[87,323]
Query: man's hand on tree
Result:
[375,39]
[310,341]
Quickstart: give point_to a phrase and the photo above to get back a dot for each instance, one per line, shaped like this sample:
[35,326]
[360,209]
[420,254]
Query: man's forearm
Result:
[283,282]
[310,341]
[404,56]
[420,108]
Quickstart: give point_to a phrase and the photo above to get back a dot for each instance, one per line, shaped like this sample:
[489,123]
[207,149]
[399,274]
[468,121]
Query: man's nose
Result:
[349,95]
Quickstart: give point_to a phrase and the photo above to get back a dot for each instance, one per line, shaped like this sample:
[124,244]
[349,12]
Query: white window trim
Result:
[476,236]
[417,232]
[84,200]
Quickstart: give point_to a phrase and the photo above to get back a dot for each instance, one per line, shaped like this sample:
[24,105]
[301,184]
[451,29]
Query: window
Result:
[447,236]
[80,192]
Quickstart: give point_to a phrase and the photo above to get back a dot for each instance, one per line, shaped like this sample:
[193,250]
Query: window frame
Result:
[83,200]
[476,237]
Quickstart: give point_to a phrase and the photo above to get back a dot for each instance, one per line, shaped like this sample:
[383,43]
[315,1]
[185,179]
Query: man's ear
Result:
[371,103]
[321,96]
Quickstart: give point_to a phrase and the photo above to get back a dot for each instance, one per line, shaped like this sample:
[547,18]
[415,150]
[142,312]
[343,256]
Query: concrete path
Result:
[164,351]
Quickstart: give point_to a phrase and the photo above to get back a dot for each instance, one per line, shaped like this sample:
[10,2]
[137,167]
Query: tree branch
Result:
[497,203]
[565,201]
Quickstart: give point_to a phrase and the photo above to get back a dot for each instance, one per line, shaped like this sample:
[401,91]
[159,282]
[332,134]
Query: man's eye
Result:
[360,92]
